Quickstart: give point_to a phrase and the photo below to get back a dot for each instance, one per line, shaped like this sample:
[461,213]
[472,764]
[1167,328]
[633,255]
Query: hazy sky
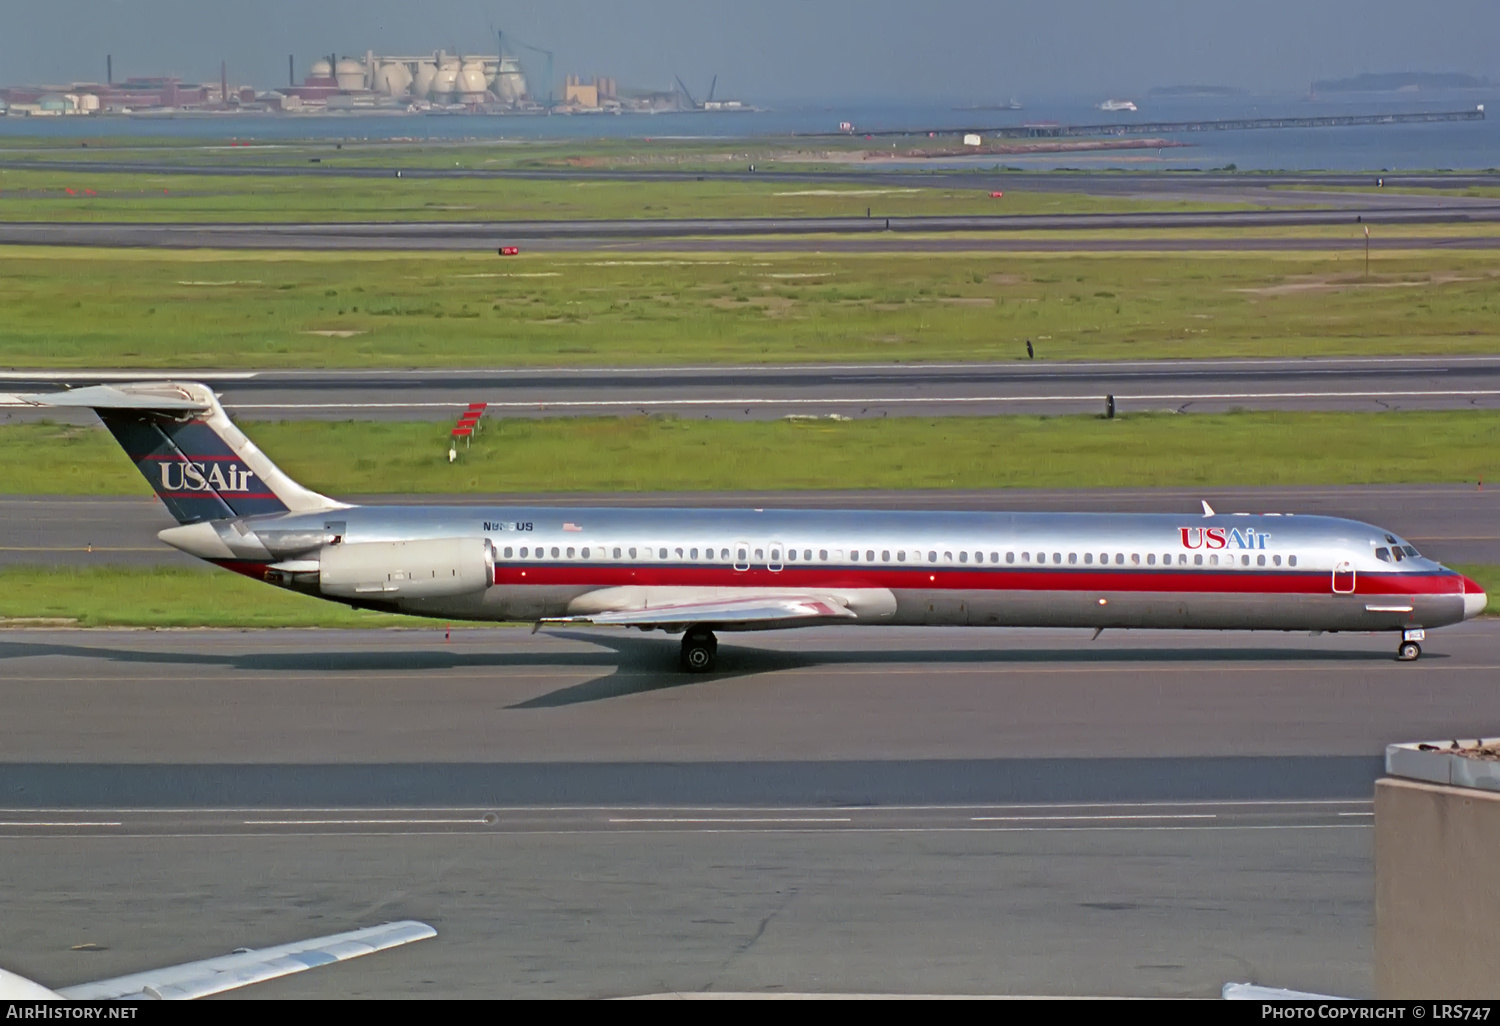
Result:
[782,49]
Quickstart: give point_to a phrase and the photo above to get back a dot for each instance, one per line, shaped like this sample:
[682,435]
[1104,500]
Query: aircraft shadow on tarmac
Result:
[638,665]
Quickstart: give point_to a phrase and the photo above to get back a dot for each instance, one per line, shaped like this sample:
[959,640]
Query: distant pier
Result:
[1050,131]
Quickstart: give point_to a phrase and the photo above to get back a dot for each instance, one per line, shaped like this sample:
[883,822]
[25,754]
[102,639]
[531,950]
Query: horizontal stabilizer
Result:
[228,972]
[738,612]
[163,396]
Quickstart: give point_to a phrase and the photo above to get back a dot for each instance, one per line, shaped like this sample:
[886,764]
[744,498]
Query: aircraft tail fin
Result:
[199,464]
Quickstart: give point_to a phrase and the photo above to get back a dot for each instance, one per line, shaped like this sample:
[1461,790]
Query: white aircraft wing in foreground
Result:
[227,972]
[756,611]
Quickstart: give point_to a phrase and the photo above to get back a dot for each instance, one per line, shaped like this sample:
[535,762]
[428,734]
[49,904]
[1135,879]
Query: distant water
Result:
[1443,145]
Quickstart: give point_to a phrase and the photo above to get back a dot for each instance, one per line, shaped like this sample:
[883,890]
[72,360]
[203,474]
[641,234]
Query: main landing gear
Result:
[700,650]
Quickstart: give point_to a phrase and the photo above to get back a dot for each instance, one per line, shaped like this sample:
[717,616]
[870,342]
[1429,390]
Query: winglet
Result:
[1208,510]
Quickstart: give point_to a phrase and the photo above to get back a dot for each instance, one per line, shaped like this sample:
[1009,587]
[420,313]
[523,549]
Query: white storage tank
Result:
[472,81]
[509,84]
[349,74]
[321,69]
[445,84]
[426,75]
[393,78]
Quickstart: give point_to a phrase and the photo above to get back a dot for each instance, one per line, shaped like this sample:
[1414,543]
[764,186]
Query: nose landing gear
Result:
[1409,651]
[700,650]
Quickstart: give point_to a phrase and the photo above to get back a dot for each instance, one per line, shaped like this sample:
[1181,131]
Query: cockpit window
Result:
[1410,551]
[1384,554]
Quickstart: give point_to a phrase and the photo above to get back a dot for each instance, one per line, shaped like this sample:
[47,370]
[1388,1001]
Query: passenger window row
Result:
[742,556]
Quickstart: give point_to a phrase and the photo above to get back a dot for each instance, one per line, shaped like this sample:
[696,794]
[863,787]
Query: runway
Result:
[976,232]
[1457,523]
[850,390]
[1033,812]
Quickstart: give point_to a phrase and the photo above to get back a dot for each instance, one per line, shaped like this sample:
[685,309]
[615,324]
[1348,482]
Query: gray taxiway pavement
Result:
[1453,523]
[892,810]
[849,390]
[987,231]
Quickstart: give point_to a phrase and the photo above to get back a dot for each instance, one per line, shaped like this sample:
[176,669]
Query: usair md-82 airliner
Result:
[695,572]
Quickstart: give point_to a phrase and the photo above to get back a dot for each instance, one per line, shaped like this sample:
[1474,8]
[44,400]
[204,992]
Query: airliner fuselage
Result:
[698,571]
[1238,571]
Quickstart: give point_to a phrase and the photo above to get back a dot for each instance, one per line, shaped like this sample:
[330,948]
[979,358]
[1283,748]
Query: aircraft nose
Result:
[1474,599]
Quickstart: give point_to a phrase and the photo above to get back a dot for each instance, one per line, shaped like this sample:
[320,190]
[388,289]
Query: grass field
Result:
[662,454]
[677,151]
[125,308]
[74,196]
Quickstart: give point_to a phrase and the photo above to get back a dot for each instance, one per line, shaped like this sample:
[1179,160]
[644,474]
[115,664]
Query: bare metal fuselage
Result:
[1257,572]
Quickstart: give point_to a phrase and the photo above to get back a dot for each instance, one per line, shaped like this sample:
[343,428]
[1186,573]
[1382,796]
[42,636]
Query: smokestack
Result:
[223,81]
[109,68]
[291,70]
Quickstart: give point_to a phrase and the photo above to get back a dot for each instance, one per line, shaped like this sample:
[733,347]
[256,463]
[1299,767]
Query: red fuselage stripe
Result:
[1235,582]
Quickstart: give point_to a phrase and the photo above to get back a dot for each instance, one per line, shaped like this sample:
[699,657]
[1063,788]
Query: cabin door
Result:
[1343,579]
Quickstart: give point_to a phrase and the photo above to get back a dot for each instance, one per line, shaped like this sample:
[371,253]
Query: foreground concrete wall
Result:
[1437,891]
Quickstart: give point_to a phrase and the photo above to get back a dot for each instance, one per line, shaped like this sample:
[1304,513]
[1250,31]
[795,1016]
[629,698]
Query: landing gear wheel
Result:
[1408,651]
[700,650]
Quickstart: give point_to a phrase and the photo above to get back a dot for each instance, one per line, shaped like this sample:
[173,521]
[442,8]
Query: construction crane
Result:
[692,103]
[500,38]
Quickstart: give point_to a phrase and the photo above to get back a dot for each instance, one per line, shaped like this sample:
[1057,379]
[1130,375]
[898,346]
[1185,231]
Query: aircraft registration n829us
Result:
[697,571]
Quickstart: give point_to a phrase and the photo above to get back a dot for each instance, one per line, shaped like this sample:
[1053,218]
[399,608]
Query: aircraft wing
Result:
[228,972]
[754,611]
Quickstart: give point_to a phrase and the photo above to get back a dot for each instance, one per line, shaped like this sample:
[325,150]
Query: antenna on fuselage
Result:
[1208,510]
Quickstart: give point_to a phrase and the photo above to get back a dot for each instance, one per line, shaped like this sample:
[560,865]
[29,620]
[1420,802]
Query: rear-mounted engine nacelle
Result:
[439,568]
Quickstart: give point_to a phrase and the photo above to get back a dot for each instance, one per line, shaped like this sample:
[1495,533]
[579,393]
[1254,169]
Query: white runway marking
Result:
[56,823]
[699,819]
[1090,819]
[361,822]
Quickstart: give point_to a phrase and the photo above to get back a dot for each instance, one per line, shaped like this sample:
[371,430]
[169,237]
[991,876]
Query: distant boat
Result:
[1117,105]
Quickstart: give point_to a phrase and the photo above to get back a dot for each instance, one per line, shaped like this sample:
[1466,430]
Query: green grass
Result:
[841,153]
[113,596]
[661,454]
[93,308]
[74,196]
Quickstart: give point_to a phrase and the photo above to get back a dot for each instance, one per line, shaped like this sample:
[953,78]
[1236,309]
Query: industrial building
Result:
[396,81]
[437,81]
